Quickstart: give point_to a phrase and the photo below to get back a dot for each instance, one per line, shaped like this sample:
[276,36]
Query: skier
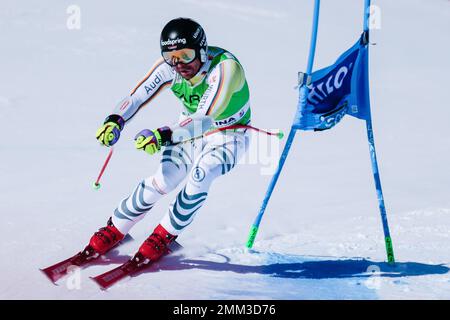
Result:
[211,85]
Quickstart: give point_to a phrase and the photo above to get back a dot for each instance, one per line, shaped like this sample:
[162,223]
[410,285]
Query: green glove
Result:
[109,133]
[151,140]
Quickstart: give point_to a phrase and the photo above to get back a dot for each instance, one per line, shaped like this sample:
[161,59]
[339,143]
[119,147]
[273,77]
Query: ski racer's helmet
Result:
[183,40]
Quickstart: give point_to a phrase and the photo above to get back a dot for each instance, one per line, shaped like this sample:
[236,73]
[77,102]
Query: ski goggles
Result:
[184,56]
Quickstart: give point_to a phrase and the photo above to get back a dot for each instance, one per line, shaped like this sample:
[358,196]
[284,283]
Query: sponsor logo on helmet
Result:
[203,42]
[197,32]
[173,42]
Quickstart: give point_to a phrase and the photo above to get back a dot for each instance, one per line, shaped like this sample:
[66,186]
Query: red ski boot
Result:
[155,246]
[104,239]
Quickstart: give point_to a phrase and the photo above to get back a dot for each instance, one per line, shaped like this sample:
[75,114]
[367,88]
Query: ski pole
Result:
[279,134]
[96,184]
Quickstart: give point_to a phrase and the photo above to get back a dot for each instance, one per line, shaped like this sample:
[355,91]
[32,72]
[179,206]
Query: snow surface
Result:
[321,237]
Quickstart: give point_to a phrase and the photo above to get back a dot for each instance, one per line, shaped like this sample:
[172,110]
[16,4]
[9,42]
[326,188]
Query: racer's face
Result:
[188,70]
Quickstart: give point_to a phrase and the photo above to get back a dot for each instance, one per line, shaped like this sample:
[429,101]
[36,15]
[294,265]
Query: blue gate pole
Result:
[290,139]
[373,157]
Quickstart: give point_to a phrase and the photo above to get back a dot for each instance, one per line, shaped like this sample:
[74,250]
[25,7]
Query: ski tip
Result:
[102,287]
[52,280]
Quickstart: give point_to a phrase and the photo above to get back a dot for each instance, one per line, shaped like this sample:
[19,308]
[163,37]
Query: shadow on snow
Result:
[316,269]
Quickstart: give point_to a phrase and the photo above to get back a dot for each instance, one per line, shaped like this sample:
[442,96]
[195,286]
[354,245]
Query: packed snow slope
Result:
[321,237]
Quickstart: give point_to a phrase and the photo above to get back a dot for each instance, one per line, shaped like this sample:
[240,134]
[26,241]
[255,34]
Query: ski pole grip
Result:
[252,236]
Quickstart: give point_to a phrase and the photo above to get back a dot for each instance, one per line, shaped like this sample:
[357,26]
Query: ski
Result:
[81,259]
[129,268]
[60,269]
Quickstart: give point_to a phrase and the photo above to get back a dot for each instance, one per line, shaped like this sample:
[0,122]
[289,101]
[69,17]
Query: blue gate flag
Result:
[337,90]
